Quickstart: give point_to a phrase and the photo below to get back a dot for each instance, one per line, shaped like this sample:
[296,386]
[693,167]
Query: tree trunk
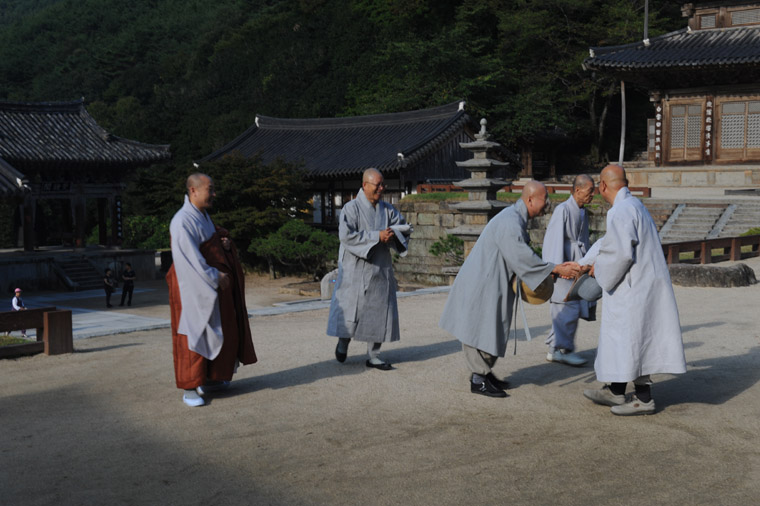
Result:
[272,272]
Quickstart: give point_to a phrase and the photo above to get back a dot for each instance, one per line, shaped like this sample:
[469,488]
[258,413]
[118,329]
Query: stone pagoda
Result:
[481,205]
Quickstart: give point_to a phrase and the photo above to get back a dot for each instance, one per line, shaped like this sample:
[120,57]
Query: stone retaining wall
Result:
[430,221]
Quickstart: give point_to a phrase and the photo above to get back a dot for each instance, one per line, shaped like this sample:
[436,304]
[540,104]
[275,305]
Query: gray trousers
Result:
[478,361]
[564,324]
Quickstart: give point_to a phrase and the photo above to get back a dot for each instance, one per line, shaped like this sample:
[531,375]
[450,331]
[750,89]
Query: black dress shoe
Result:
[340,357]
[497,382]
[485,387]
[383,367]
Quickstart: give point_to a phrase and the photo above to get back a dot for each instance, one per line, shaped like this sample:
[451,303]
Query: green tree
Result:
[451,248]
[297,245]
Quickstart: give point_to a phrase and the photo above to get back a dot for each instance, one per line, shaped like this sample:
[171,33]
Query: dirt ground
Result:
[105,425]
[152,298]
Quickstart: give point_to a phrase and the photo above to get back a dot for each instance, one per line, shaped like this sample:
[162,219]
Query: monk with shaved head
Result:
[478,311]
[640,334]
[567,239]
[209,320]
[363,306]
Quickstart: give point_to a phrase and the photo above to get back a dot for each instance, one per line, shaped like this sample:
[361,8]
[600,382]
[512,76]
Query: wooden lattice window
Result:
[745,17]
[739,130]
[707,21]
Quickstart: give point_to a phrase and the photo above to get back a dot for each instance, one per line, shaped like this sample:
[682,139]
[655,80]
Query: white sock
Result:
[373,350]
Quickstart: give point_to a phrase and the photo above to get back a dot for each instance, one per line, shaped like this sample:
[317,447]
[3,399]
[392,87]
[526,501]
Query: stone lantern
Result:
[481,205]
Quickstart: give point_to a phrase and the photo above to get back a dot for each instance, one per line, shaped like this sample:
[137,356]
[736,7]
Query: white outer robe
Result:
[640,330]
[200,319]
[363,305]
[478,311]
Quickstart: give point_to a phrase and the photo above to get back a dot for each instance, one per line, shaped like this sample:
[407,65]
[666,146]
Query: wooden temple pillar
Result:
[80,216]
[116,225]
[526,157]
[28,222]
[102,225]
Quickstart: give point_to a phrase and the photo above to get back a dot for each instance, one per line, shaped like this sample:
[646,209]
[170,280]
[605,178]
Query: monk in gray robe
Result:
[567,239]
[478,311]
[209,320]
[363,305]
[640,332]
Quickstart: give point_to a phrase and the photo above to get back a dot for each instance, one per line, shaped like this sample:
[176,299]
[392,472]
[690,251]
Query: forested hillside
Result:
[194,73]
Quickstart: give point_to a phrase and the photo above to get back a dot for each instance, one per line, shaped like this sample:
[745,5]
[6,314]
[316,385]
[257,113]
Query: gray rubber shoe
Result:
[634,407]
[192,399]
[604,396]
[566,357]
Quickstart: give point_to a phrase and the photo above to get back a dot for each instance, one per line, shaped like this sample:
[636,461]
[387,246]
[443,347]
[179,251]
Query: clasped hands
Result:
[387,235]
[568,270]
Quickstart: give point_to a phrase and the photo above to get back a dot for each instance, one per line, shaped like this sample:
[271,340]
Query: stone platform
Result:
[732,176]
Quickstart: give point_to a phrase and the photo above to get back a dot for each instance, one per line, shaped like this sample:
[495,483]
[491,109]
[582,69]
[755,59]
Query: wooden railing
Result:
[710,251]
[640,191]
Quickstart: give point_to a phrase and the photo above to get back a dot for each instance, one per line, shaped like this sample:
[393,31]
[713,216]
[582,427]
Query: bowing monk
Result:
[479,308]
[210,331]
[640,332]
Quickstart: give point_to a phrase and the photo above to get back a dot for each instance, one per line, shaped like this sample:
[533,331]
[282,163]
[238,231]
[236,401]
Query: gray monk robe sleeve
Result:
[355,238]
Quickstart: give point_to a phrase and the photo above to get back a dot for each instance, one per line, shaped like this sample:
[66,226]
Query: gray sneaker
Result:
[565,357]
[604,396]
[192,399]
[633,407]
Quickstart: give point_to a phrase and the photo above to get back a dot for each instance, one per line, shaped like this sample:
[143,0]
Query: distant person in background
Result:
[109,285]
[128,276]
[18,305]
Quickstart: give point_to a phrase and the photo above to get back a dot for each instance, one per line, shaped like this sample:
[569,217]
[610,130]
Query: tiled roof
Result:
[11,180]
[51,133]
[682,49]
[336,147]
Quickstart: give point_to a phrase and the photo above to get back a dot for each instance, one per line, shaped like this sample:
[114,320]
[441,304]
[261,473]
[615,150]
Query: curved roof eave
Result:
[12,182]
[714,48]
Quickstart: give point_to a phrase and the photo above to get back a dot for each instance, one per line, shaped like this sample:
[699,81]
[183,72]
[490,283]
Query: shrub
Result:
[296,244]
[451,248]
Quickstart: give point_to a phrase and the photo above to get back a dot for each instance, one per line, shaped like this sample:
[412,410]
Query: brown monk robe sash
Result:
[191,369]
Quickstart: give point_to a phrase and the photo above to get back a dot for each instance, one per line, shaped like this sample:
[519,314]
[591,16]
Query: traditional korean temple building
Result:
[409,148]
[56,151]
[704,83]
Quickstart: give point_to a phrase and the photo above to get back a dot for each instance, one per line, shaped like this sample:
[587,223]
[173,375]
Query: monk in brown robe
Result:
[206,279]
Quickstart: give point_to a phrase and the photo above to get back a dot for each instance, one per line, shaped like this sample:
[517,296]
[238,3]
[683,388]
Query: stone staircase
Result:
[660,210]
[691,222]
[81,274]
[745,216]
[696,221]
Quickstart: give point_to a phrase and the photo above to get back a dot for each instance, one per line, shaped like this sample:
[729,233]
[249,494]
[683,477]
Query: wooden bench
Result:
[54,331]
